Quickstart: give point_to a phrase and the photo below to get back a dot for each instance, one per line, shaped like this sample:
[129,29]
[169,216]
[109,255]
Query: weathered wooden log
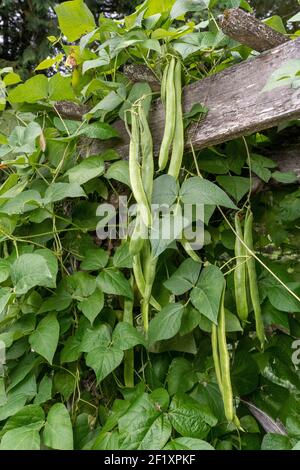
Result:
[246,29]
[69,110]
[287,159]
[236,102]
[141,73]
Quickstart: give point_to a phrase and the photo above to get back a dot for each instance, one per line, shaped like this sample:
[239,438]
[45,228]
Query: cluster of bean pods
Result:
[222,363]
[245,279]
[141,171]
[173,138]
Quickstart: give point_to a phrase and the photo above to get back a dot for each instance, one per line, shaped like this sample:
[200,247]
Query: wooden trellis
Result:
[236,102]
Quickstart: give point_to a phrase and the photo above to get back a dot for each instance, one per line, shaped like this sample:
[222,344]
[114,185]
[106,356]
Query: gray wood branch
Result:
[69,110]
[141,73]
[134,72]
[248,30]
[236,104]
[287,159]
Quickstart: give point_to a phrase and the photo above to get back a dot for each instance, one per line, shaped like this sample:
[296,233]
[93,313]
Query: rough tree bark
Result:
[248,30]
[141,73]
[69,110]
[236,102]
[287,159]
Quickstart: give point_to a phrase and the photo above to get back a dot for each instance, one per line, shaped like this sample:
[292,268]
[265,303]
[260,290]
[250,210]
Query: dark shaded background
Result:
[25,25]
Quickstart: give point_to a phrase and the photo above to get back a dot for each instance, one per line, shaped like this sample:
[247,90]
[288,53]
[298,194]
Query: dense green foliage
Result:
[82,371]
[25,25]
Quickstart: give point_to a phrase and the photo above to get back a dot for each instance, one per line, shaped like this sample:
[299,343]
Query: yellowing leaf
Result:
[45,64]
[34,89]
[44,339]
[75,19]
[158,6]
[11,79]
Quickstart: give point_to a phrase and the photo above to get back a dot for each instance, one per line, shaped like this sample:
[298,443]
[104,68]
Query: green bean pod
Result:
[129,354]
[138,236]
[216,359]
[164,84]
[254,293]
[135,171]
[178,141]
[140,281]
[225,363]
[222,364]
[150,271]
[138,274]
[147,154]
[189,250]
[170,115]
[240,272]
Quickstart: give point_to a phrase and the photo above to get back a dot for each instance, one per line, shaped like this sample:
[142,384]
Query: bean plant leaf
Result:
[86,170]
[104,361]
[122,257]
[22,203]
[44,339]
[58,191]
[81,285]
[98,130]
[125,336]
[60,88]
[139,91]
[166,323]
[92,305]
[33,90]
[44,391]
[276,442]
[261,166]
[6,295]
[30,270]
[94,259]
[190,418]
[188,443]
[207,294]
[143,426]
[276,23]
[56,302]
[98,336]
[287,177]
[71,350]
[23,438]
[75,19]
[58,433]
[295,18]
[232,323]
[23,369]
[279,296]
[236,186]
[31,416]
[119,171]
[181,367]
[66,126]
[184,278]
[197,190]
[167,228]
[165,190]
[114,282]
